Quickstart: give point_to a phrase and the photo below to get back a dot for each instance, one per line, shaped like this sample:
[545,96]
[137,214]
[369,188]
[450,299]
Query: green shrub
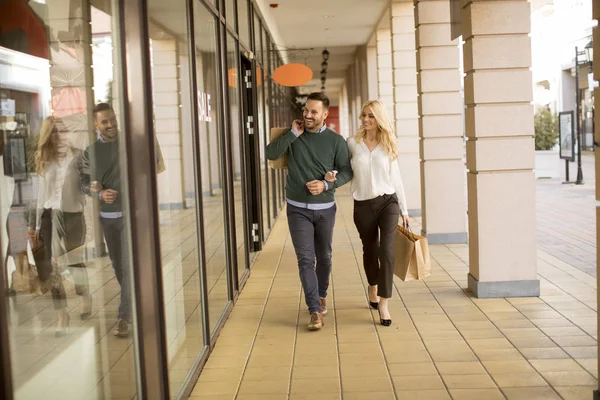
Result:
[546,129]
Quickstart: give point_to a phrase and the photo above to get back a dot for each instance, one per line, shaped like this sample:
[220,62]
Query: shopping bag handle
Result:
[412,235]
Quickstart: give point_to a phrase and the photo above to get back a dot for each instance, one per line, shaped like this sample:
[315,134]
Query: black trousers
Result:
[69,229]
[376,221]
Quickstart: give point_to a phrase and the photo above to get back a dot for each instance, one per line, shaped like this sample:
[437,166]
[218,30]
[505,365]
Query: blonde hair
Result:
[385,131]
[46,151]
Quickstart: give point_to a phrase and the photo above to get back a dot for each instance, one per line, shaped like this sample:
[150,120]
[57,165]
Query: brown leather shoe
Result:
[316,321]
[323,306]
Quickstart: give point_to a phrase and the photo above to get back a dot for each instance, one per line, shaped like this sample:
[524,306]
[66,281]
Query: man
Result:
[101,160]
[313,150]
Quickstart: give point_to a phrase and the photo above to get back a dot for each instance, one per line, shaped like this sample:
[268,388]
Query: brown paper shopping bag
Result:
[412,256]
[281,162]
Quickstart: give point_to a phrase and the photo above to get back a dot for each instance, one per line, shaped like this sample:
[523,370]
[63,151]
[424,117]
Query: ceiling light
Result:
[325,55]
[327,16]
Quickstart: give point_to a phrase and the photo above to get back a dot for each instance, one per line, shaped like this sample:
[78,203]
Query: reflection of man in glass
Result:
[101,160]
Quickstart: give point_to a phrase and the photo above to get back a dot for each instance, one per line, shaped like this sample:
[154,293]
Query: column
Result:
[372,82]
[406,111]
[440,125]
[500,149]
[167,115]
[385,76]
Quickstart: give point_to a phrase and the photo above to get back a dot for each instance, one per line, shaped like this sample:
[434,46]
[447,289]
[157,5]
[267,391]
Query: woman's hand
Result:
[405,221]
[330,176]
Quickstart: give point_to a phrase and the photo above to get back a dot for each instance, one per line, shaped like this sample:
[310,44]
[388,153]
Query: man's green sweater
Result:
[101,159]
[310,157]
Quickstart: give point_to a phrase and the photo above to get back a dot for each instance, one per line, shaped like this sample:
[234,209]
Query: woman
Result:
[60,223]
[379,200]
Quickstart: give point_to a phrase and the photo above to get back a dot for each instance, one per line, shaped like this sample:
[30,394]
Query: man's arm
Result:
[342,165]
[280,146]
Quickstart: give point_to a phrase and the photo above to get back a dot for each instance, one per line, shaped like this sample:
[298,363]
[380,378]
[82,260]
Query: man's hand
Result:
[316,187]
[298,126]
[109,196]
[95,187]
[330,176]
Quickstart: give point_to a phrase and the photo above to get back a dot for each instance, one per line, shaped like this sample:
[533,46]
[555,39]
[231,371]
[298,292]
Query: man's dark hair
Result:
[101,107]
[318,96]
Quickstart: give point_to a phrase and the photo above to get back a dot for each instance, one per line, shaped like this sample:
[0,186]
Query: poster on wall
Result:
[566,134]
[7,108]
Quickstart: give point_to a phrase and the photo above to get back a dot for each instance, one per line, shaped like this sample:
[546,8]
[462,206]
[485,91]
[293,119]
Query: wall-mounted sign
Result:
[7,108]
[204,108]
[566,135]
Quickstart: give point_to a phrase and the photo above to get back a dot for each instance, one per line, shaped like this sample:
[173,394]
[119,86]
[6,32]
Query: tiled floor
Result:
[443,343]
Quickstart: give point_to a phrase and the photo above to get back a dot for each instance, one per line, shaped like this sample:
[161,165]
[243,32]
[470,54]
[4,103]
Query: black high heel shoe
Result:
[384,322]
[373,304]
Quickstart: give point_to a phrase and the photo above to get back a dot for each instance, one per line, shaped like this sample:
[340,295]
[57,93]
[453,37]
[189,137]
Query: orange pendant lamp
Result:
[292,75]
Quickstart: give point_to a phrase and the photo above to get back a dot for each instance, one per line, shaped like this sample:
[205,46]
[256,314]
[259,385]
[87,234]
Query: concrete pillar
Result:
[406,112]
[167,116]
[440,125]
[500,149]
[385,76]
[372,82]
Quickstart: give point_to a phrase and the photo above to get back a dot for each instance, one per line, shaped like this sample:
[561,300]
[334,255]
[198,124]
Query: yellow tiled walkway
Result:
[443,343]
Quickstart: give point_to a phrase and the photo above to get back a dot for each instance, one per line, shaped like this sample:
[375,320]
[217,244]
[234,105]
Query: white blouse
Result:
[50,194]
[374,174]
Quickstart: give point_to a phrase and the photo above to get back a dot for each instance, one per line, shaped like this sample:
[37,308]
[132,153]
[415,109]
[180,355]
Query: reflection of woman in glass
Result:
[60,222]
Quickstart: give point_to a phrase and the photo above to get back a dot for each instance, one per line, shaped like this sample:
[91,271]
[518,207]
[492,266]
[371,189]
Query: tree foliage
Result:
[546,129]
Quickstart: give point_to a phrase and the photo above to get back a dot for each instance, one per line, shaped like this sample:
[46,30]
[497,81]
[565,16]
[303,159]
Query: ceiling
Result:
[338,25]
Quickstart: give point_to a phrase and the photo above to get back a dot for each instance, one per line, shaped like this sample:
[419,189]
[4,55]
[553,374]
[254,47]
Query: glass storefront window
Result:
[177,187]
[230,13]
[243,22]
[264,168]
[237,155]
[265,48]
[211,150]
[257,40]
[63,203]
